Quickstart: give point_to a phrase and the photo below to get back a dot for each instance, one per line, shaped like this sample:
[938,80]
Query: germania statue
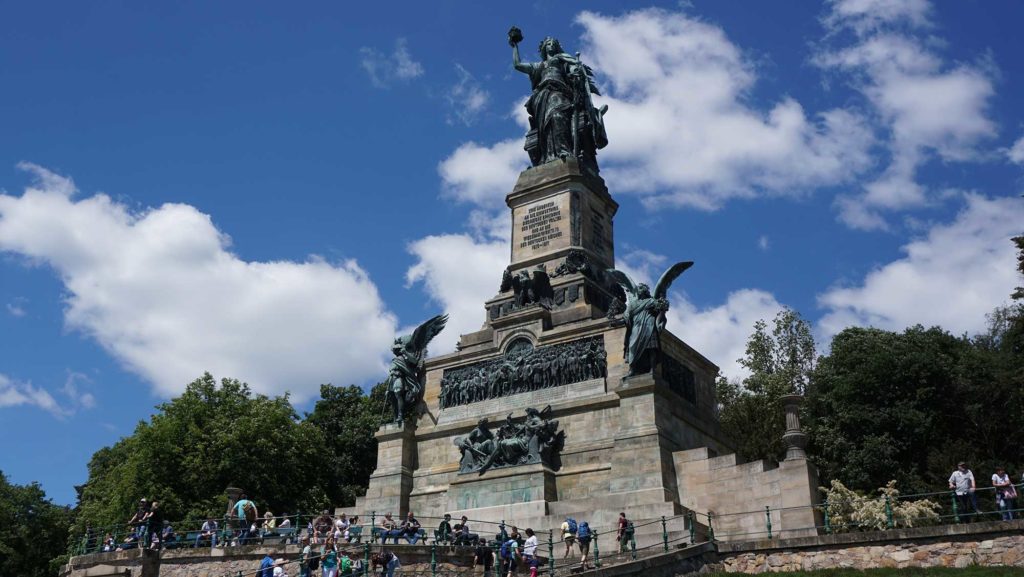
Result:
[645,317]
[563,120]
[405,378]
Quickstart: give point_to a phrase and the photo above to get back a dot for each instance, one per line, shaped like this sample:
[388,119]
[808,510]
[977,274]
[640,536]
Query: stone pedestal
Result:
[512,493]
[392,482]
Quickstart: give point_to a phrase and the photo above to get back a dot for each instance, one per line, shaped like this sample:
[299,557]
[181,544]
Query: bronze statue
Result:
[534,441]
[645,317]
[405,377]
[563,120]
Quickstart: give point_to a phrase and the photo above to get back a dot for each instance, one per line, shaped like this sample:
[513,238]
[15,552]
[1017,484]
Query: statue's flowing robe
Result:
[403,378]
[642,328]
[551,106]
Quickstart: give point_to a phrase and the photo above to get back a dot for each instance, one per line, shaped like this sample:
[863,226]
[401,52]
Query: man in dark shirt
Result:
[483,556]
[138,520]
[462,534]
[411,529]
[155,522]
[444,530]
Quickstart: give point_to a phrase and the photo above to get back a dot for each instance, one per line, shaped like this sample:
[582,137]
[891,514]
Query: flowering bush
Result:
[848,510]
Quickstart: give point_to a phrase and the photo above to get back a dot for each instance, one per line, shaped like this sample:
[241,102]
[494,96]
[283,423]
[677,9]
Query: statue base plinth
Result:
[510,493]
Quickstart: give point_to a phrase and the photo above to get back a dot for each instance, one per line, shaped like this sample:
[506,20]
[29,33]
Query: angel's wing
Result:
[627,284]
[661,289]
[426,332]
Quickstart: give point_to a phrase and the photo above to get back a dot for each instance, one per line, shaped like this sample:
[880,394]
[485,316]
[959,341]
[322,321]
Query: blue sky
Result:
[271,192]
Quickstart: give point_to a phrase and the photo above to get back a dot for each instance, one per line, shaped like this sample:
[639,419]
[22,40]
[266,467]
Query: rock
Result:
[901,556]
[1010,557]
[887,562]
[921,555]
[776,561]
[962,561]
[986,544]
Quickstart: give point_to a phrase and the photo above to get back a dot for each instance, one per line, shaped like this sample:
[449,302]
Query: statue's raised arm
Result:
[563,120]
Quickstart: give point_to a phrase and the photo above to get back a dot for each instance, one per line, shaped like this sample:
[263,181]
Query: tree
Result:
[780,363]
[347,420]
[33,530]
[908,406]
[198,444]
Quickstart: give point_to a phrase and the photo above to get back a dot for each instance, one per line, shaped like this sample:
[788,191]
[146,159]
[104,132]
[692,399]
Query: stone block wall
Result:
[736,494]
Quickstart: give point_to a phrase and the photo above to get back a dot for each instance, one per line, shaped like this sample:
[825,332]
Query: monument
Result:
[573,398]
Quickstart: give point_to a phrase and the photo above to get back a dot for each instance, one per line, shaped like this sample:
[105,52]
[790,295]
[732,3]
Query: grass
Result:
[972,571]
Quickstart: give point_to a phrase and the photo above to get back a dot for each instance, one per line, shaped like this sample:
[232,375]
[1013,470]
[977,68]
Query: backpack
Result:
[506,548]
[314,561]
[628,533]
[250,512]
[572,525]
[584,532]
[346,566]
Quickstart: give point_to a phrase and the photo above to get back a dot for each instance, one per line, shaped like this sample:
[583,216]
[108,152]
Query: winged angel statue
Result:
[645,317]
[405,379]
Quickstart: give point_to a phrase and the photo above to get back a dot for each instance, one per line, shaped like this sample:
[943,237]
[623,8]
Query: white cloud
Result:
[17,307]
[16,394]
[763,242]
[952,277]
[1016,152]
[75,394]
[483,175]
[160,290]
[383,69]
[926,107]
[681,129]
[466,98]
[460,273]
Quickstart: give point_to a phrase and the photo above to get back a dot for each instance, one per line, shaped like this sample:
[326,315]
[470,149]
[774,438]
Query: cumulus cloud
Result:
[925,106]
[16,308]
[384,69]
[1016,152]
[683,131]
[160,290]
[459,272]
[466,98]
[952,276]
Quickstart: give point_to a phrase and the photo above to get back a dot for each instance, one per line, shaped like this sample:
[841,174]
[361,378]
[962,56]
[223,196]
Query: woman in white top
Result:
[341,525]
[1006,495]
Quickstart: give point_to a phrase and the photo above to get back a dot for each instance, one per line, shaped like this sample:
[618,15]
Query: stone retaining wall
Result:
[985,544]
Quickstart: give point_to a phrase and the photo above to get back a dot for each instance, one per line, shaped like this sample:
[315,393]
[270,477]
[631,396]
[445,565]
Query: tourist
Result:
[304,557]
[962,483]
[462,534]
[267,566]
[568,535]
[483,557]
[269,523]
[154,524]
[444,530]
[530,551]
[285,522]
[245,513]
[341,525]
[208,532]
[322,527]
[388,528]
[387,561]
[620,534]
[279,568]
[108,543]
[583,536]
[516,535]
[509,553]
[329,558]
[168,537]
[345,564]
[138,519]
[1006,494]
[411,529]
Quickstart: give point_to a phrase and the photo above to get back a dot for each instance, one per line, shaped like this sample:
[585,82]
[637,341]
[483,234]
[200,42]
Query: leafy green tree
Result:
[33,530]
[196,445]
[347,420]
[780,363]
[905,406]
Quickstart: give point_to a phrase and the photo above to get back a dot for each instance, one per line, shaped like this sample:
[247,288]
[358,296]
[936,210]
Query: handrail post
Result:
[366,557]
[956,513]
[664,533]
[768,519]
[693,528]
[433,560]
[888,512]
[711,530]
[551,551]
[828,524]
[373,523]
[597,552]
